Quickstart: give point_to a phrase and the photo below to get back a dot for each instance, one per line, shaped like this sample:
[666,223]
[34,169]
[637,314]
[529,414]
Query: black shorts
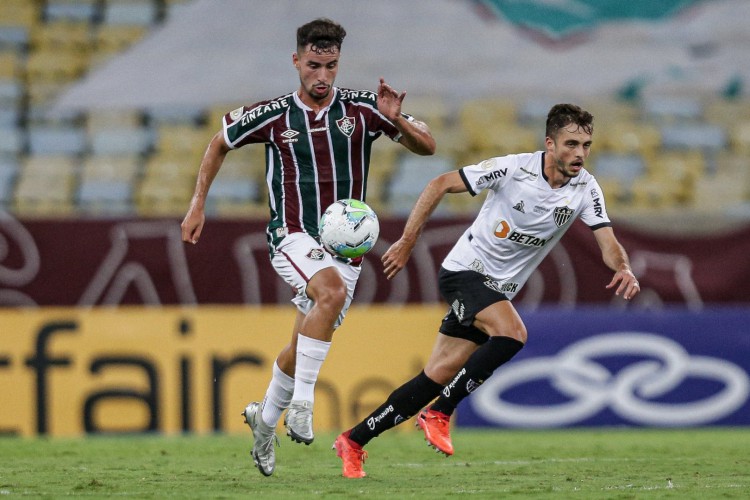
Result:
[467,293]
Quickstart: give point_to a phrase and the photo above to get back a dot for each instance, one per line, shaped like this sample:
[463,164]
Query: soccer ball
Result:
[349,228]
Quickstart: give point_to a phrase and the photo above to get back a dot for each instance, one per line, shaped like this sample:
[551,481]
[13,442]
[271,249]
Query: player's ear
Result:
[295,60]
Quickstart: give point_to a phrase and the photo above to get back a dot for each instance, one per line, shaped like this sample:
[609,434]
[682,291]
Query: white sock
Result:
[278,396]
[310,356]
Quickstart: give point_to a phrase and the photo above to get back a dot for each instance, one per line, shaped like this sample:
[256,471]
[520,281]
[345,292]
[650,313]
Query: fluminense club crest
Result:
[346,125]
[315,254]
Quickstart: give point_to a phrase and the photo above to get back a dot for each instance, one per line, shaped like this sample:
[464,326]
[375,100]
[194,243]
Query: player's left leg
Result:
[264,439]
[507,337]
[483,314]
[323,299]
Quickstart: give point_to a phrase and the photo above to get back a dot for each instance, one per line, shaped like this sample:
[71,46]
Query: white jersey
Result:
[521,219]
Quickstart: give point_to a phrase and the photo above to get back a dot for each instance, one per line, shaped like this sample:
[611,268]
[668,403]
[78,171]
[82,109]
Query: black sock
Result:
[401,405]
[478,368]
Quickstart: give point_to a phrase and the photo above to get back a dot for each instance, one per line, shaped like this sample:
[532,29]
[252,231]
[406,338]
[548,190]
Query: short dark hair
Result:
[323,34]
[562,115]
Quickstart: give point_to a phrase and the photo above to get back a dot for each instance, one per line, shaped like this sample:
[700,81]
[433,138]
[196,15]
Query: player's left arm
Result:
[616,258]
[415,135]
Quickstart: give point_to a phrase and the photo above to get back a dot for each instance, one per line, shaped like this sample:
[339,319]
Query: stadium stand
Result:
[656,151]
[71,10]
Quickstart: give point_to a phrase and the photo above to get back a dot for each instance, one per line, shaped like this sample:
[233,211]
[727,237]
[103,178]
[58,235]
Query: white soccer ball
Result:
[349,228]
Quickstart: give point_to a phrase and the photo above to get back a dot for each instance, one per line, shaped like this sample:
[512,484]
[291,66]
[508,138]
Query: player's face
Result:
[317,72]
[569,149]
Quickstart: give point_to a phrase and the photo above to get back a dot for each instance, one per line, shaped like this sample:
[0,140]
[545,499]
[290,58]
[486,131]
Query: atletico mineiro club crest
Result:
[562,215]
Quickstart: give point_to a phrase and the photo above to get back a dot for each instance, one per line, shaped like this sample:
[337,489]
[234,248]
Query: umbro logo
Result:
[289,135]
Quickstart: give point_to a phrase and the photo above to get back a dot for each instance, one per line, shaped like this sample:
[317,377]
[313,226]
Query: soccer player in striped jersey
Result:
[318,141]
[533,199]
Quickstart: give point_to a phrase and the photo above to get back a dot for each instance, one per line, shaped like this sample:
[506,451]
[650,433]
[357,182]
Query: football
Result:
[349,228]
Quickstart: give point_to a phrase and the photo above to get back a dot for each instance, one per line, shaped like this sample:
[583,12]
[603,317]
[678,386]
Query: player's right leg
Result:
[401,405]
[448,354]
[352,456]
[264,439]
[325,288]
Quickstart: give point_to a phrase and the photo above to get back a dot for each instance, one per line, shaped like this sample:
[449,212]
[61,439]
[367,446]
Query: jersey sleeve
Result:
[594,213]
[248,125]
[379,124]
[376,122]
[492,174]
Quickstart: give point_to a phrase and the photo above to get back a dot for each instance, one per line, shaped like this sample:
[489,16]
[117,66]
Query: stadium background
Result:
[110,324]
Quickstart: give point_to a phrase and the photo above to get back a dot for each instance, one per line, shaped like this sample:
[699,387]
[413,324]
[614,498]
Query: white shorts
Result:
[298,257]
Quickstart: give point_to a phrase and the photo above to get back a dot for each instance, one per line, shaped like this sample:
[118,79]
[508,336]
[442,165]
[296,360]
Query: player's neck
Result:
[315,104]
[552,174]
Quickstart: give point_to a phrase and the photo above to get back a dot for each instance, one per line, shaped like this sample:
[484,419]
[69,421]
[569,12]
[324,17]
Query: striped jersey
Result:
[521,219]
[312,159]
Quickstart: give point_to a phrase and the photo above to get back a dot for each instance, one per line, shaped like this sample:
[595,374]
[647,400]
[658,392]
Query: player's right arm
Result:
[396,257]
[212,160]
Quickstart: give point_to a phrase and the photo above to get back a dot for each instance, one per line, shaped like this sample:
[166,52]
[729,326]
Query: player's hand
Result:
[389,101]
[626,283]
[396,257]
[192,225]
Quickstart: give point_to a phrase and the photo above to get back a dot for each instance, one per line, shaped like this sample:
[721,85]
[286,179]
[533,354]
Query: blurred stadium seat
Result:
[55,139]
[670,180]
[20,12]
[11,141]
[113,39]
[8,172]
[707,137]
[667,108]
[62,35]
[105,197]
[182,138]
[72,10]
[122,141]
[740,137]
[10,65]
[45,186]
[130,12]
[615,173]
[409,179]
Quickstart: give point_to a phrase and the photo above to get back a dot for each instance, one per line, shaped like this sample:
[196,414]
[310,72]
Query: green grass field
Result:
[698,463]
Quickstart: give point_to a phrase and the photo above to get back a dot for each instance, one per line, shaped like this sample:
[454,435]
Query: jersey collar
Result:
[302,105]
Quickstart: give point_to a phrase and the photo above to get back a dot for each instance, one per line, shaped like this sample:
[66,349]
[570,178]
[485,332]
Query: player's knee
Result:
[515,331]
[439,374]
[332,296]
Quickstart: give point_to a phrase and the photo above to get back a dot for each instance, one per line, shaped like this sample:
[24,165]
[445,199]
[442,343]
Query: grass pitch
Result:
[612,464]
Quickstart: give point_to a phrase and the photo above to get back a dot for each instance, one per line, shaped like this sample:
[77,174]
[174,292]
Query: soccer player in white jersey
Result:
[318,141]
[533,199]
